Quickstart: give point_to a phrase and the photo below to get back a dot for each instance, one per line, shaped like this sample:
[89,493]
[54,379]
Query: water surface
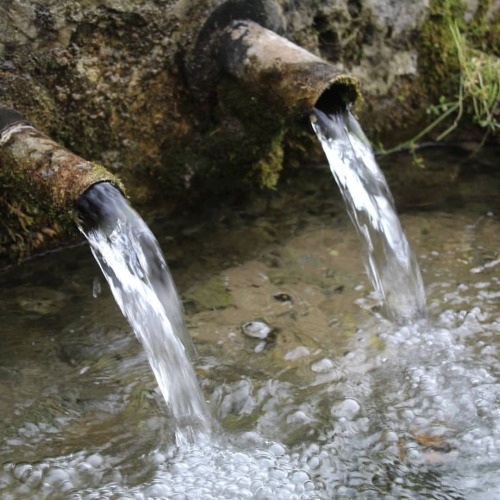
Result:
[336,401]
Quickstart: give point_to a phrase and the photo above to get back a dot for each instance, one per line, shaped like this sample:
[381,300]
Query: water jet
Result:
[389,260]
[137,273]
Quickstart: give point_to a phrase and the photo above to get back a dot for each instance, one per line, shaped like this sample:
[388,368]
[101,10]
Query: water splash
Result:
[133,265]
[249,467]
[389,260]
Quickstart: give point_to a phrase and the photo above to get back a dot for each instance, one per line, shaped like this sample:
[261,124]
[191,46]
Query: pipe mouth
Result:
[96,206]
[340,95]
[9,118]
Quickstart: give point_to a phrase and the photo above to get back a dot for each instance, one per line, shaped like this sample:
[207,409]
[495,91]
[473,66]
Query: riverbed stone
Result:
[257,329]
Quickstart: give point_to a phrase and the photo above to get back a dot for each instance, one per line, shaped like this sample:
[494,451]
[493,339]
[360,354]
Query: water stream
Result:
[134,267]
[389,260]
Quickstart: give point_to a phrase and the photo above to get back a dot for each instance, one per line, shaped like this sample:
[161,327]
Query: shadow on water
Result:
[331,399]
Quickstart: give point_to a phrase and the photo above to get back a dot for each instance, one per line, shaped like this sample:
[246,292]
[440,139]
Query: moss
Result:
[210,295]
[268,169]
[450,86]
[240,145]
[252,138]
[245,141]
[439,69]
[439,66]
[28,224]
[484,32]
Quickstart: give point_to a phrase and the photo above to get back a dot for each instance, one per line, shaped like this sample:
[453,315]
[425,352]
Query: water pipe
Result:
[281,73]
[47,168]
[41,182]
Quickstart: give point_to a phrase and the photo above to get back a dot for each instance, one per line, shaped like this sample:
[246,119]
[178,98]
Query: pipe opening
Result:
[10,117]
[339,97]
[97,205]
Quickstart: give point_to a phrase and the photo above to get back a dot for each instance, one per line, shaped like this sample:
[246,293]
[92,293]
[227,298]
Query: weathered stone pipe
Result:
[41,183]
[285,75]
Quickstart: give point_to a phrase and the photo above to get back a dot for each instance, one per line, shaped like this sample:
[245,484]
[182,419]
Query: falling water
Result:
[389,260]
[137,273]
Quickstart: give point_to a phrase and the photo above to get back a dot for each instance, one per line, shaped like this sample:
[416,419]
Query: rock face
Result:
[134,86]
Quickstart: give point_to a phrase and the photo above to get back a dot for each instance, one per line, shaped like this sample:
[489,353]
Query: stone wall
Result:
[121,83]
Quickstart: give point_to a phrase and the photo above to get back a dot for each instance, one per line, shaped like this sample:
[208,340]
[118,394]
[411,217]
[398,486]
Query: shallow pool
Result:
[328,400]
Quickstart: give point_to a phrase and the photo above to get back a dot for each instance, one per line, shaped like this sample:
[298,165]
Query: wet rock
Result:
[40,301]
[210,295]
[272,260]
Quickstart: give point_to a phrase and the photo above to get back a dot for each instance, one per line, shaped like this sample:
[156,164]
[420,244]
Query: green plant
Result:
[478,93]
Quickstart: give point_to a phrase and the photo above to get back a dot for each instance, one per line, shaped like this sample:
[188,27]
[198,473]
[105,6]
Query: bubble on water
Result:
[158,491]
[300,477]
[262,469]
[277,449]
[391,437]
[156,458]
[21,470]
[58,478]
[298,418]
[29,430]
[96,287]
[257,329]
[95,460]
[239,400]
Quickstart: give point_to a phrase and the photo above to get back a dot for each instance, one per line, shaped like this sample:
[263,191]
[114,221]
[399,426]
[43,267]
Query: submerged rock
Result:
[257,329]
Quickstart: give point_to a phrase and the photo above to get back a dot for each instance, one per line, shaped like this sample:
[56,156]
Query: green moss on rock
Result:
[439,66]
[210,295]
[438,63]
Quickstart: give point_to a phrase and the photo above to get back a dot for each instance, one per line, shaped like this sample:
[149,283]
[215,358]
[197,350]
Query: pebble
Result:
[322,366]
[257,329]
[348,409]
